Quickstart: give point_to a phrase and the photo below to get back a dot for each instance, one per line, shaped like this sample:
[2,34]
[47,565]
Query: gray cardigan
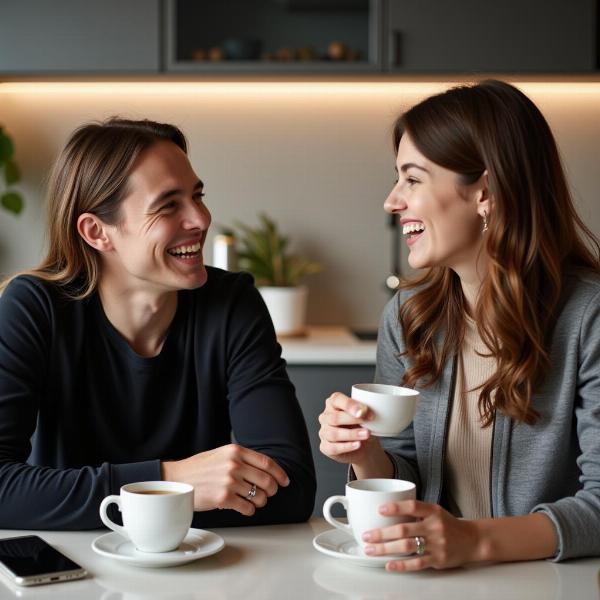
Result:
[551,467]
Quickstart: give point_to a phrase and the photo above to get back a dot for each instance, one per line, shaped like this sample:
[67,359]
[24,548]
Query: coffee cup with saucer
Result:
[362,501]
[156,526]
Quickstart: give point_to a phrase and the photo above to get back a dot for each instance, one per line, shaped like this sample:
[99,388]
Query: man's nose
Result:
[197,216]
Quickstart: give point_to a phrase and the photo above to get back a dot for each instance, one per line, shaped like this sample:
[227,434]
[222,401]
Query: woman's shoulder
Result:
[581,286]
[579,307]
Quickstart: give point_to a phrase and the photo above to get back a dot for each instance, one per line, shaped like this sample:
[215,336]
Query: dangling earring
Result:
[485,222]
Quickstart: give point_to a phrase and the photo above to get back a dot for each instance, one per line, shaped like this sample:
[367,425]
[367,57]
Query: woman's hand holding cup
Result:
[343,438]
[350,426]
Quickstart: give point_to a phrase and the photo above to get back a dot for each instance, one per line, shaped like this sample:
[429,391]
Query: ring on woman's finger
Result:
[252,492]
[421,545]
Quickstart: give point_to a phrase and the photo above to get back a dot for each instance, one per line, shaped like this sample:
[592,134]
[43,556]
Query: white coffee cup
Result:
[156,514]
[362,501]
[394,407]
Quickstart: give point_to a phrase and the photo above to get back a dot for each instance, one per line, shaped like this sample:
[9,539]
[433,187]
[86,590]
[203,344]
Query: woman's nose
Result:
[394,203]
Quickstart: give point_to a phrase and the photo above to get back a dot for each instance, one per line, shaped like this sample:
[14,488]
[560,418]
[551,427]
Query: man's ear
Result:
[485,201]
[93,231]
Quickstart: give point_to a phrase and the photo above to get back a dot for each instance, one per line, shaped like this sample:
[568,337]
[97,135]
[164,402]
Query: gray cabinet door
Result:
[58,36]
[314,383]
[491,35]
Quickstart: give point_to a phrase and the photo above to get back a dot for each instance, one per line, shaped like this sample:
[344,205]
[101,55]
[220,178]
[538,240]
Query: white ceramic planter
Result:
[287,307]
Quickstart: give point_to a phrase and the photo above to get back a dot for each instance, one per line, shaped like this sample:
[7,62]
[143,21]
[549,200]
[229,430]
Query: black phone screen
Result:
[31,555]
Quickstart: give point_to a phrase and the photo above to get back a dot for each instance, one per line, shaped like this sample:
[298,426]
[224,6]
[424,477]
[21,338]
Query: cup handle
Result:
[332,520]
[111,524]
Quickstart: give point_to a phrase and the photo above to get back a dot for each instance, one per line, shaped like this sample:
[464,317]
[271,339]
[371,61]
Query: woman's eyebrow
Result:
[409,165]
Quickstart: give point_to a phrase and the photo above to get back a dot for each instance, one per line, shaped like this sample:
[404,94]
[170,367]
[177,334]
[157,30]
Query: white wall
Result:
[315,156]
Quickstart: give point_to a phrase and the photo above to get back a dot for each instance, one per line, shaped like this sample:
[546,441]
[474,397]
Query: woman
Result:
[500,334]
[124,359]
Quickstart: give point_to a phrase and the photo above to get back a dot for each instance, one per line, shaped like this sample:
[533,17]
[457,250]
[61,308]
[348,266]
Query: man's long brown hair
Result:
[91,176]
[534,235]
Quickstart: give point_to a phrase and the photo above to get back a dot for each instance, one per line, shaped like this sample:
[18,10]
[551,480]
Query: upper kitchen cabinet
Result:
[273,36]
[507,36]
[75,36]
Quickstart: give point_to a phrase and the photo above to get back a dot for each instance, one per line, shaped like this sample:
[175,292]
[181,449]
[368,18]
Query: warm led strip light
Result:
[230,88]
[277,89]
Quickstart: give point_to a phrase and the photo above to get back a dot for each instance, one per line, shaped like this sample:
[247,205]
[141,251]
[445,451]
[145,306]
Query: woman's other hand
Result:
[446,541]
[231,477]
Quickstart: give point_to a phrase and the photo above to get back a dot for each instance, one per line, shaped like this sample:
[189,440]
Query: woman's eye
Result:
[411,181]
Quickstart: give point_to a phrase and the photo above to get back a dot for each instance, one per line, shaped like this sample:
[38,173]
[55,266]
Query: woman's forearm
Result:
[528,537]
[376,462]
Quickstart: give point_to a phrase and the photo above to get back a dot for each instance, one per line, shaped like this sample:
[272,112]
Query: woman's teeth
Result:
[412,228]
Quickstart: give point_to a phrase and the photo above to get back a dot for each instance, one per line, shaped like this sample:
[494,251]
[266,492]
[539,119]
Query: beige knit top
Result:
[468,445]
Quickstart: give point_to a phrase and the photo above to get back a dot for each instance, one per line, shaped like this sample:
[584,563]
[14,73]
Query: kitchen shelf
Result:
[250,34]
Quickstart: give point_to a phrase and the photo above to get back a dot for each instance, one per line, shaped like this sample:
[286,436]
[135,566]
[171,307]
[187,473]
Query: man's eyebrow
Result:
[173,192]
[409,165]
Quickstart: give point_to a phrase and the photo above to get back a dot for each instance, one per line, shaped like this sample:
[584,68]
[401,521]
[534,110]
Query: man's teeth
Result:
[186,249]
[412,228]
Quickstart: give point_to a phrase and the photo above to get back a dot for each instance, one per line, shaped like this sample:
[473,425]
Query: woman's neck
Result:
[471,277]
[471,292]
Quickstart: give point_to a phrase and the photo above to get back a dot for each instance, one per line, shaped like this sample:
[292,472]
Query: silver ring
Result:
[252,491]
[420,542]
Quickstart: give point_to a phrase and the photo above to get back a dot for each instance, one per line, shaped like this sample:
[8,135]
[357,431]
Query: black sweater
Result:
[81,413]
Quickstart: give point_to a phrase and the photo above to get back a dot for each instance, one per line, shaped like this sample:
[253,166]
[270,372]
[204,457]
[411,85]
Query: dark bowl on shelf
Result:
[242,49]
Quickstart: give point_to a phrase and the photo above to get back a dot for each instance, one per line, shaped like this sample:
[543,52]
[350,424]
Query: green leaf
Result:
[11,173]
[12,201]
[262,252]
[6,147]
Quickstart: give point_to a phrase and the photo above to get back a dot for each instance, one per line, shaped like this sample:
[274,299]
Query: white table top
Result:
[328,346]
[279,562]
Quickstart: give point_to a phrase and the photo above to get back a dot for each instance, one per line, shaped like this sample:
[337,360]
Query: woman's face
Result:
[158,243]
[440,218]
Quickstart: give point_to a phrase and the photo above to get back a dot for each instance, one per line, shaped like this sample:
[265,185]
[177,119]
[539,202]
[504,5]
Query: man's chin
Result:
[197,281]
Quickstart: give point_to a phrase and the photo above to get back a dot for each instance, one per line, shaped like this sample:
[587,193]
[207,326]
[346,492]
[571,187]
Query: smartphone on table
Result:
[30,560]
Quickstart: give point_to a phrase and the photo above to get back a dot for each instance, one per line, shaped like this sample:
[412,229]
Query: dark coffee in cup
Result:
[155,492]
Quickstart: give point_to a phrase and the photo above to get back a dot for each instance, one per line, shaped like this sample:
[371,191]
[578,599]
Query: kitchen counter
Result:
[328,346]
[274,562]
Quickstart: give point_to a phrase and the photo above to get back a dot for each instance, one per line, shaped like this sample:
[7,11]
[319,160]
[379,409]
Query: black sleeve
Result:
[265,414]
[41,497]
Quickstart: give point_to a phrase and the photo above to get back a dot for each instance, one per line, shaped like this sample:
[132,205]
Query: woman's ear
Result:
[94,233]
[484,199]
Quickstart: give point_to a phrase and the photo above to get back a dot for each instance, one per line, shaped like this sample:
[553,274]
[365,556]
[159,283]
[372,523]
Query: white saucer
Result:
[198,543]
[339,544]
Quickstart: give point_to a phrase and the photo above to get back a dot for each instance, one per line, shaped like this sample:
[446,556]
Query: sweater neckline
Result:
[122,345]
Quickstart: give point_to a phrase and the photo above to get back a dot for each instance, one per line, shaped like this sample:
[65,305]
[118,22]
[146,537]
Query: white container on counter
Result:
[287,307]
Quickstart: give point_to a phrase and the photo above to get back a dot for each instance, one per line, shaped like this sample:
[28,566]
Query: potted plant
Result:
[262,251]
[9,199]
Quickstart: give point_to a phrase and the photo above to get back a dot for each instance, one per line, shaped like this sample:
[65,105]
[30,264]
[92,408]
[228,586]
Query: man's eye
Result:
[199,195]
[169,205]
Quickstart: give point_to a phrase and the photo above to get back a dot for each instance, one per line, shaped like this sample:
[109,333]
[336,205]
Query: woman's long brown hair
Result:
[534,235]
[90,176]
